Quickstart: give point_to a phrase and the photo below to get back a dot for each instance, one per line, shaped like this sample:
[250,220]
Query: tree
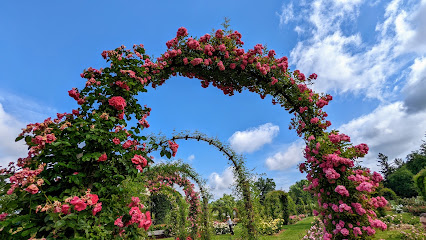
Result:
[386,167]
[299,195]
[224,206]
[416,160]
[264,186]
[401,182]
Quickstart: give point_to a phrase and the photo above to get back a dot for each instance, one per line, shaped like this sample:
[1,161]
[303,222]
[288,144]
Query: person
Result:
[230,225]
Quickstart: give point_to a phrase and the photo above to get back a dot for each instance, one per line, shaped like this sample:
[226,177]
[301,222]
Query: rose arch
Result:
[77,161]
[238,165]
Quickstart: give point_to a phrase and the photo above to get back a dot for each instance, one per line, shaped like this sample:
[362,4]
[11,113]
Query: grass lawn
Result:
[298,230]
[291,232]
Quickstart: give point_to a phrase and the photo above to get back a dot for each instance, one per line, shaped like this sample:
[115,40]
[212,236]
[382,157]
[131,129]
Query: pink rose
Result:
[102,158]
[97,208]
[33,189]
[117,102]
[65,209]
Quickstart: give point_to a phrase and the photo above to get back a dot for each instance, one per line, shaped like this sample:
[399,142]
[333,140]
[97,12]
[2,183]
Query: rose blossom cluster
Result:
[336,167]
[117,102]
[26,177]
[142,220]
[174,147]
[139,161]
[78,203]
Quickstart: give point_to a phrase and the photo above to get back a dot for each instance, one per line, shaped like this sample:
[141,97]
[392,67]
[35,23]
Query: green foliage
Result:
[224,206]
[291,206]
[388,193]
[299,195]
[416,161]
[161,206]
[386,167]
[420,182]
[276,205]
[264,186]
[401,182]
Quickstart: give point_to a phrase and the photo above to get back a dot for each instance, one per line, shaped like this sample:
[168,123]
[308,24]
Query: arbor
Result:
[71,183]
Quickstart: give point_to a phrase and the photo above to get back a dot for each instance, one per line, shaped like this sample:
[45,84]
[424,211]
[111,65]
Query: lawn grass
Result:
[291,232]
[298,230]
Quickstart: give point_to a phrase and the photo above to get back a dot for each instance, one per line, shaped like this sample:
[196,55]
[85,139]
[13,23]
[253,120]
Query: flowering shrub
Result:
[270,226]
[221,228]
[414,205]
[94,148]
[316,231]
[296,218]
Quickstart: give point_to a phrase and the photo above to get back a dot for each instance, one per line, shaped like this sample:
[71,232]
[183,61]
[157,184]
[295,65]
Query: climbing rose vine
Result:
[96,147]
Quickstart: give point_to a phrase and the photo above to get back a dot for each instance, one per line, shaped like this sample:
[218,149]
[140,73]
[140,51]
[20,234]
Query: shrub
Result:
[420,182]
[388,193]
[276,205]
[316,231]
[220,228]
[270,226]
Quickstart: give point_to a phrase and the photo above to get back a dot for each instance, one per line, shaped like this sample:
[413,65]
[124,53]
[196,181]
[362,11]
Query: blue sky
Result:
[370,55]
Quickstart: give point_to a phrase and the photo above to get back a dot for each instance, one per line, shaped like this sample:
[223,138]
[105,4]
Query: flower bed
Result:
[221,228]
[269,227]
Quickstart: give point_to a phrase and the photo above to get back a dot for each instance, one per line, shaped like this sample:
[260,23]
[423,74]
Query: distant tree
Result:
[399,162]
[224,206]
[299,195]
[386,167]
[401,182]
[416,160]
[264,186]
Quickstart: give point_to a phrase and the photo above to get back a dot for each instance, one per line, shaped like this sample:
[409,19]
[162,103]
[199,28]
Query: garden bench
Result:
[156,233]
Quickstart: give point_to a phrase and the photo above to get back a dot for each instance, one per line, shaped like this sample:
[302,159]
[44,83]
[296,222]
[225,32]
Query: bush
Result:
[292,208]
[276,205]
[270,226]
[316,231]
[221,228]
[420,182]
[388,193]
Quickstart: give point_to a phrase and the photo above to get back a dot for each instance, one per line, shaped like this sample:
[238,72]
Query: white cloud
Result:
[15,113]
[287,158]
[286,14]
[389,129]
[253,139]
[299,30]
[191,157]
[343,62]
[221,183]
[415,87]
[10,127]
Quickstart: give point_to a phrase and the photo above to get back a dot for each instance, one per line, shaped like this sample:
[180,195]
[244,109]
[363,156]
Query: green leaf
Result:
[168,154]
[59,224]
[19,138]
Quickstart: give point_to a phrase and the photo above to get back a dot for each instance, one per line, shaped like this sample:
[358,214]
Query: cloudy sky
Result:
[370,55]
